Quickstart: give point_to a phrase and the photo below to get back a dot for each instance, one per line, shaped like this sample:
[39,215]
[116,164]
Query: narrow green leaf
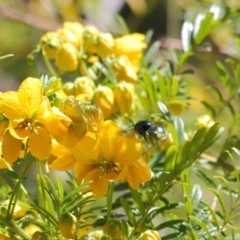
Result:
[186,35]
[173,236]
[128,211]
[224,76]
[205,178]
[212,212]
[179,126]
[162,181]
[211,136]
[202,27]
[60,189]
[196,195]
[225,182]
[169,224]
[209,108]
[138,200]
[169,164]
[182,156]
[174,86]
[11,174]
[221,201]
[202,225]
[161,85]
[183,58]
[153,49]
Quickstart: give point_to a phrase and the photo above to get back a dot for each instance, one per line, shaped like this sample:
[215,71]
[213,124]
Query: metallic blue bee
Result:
[152,133]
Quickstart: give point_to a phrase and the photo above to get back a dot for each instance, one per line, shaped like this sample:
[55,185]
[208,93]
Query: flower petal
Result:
[130,151]
[63,163]
[109,135]
[138,173]
[11,147]
[81,170]
[30,95]
[99,185]
[10,106]
[86,150]
[40,144]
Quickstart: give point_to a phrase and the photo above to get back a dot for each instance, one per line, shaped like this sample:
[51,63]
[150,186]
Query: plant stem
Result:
[109,199]
[48,65]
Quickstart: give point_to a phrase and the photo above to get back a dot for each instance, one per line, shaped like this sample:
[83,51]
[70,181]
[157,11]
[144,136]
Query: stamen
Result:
[113,167]
[25,125]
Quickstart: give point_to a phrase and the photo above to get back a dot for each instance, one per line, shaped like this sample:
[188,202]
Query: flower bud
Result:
[204,121]
[39,236]
[106,45]
[125,70]
[93,115]
[68,226]
[76,28]
[51,43]
[31,229]
[68,88]
[66,58]
[72,109]
[18,212]
[123,96]
[104,98]
[84,85]
[113,229]
[90,37]
[149,235]
[68,37]
[176,107]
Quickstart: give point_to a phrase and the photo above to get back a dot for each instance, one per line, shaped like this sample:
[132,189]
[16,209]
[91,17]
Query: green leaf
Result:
[154,48]
[11,174]
[186,35]
[173,236]
[128,211]
[196,142]
[225,182]
[205,178]
[182,156]
[212,212]
[196,195]
[169,224]
[202,27]
[162,181]
[202,225]
[183,58]
[221,201]
[60,188]
[179,126]
[211,136]
[224,76]
[209,108]
[161,85]
[138,200]
[169,163]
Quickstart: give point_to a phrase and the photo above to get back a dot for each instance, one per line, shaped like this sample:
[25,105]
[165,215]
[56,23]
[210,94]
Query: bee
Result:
[152,133]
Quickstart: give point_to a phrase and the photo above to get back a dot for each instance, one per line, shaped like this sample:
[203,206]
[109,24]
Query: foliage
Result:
[164,180]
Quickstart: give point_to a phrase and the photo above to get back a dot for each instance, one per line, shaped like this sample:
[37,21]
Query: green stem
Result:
[11,225]
[27,162]
[109,199]
[48,65]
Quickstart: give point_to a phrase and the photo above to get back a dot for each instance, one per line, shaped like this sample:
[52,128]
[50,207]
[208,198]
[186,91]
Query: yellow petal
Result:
[3,164]
[59,150]
[81,170]
[21,133]
[10,105]
[40,143]
[138,173]
[63,163]
[111,136]
[30,95]
[130,152]
[86,150]
[99,185]
[11,148]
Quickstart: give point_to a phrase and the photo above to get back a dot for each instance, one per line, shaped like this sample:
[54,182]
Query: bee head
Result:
[142,126]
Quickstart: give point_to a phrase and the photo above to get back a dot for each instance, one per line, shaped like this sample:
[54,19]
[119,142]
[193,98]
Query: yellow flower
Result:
[31,117]
[175,106]
[149,235]
[104,98]
[19,210]
[68,36]
[131,45]
[66,58]
[109,156]
[25,110]
[123,96]
[68,226]
[204,121]
[84,85]
[76,28]
[124,70]
[106,45]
